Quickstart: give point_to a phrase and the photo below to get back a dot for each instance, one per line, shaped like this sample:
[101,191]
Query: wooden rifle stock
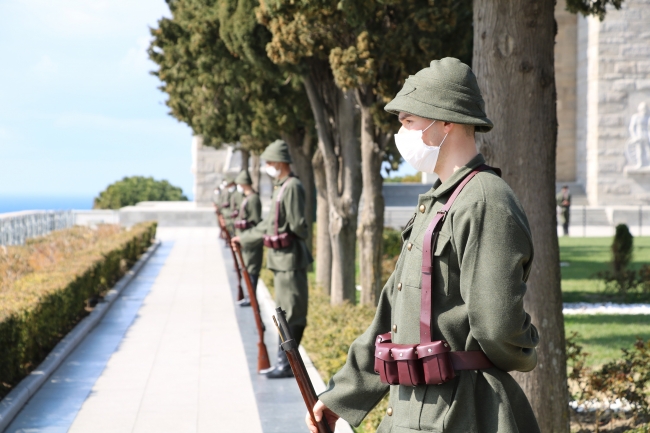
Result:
[290,347]
[262,354]
[226,233]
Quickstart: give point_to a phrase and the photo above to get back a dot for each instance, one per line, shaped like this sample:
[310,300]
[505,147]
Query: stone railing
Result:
[17,227]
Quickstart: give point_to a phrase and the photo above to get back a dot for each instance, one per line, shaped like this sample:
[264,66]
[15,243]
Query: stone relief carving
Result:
[637,148]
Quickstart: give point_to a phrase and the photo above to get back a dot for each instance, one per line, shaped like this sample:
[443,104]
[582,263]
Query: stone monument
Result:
[603,83]
[207,167]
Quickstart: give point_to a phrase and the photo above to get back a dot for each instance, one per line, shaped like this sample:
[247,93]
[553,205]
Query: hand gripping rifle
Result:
[226,233]
[262,353]
[290,347]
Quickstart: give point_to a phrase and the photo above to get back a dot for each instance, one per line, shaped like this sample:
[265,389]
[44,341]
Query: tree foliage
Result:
[216,81]
[131,190]
[369,46]
[592,7]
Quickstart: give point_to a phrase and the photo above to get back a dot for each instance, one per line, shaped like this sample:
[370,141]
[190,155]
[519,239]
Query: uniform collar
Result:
[441,188]
[278,182]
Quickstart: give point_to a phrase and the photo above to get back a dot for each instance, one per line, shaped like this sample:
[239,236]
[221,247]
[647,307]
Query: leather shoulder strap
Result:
[430,240]
[242,208]
[278,203]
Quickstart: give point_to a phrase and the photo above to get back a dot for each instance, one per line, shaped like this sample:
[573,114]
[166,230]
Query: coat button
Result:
[422,208]
[394,328]
[409,246]
[389,411]
[399,286]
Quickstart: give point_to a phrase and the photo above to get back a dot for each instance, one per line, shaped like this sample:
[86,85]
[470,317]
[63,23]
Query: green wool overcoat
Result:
[292,219]
[481,264]
[250,210]
[234,200]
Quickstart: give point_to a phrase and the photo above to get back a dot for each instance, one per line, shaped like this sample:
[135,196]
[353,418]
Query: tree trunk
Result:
[255,171]
[371,227]
[513,60]
[245,158]
[301,148]
[336,117]
[323,242]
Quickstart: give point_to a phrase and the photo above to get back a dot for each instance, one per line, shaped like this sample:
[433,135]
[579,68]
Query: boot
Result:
[281,369]
[244,302]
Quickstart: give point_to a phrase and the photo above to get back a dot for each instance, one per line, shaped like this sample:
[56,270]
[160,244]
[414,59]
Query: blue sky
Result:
[78,108]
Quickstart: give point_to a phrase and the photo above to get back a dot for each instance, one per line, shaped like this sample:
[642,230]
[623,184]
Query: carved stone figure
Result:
[637,149]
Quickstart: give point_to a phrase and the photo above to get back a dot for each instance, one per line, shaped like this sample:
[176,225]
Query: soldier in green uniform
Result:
[284,232]
[480,264]
[249,215]
[229,202]
[563,200]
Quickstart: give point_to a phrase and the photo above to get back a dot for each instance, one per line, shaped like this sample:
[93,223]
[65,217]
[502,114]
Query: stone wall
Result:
[207,168]
[613,78]
[565,83]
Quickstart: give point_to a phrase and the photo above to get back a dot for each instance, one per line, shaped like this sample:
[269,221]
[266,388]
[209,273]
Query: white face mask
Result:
[240,189]
[415,151]
[232,188]
[272,171]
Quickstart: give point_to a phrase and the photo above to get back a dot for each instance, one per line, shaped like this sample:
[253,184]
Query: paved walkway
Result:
[167,357]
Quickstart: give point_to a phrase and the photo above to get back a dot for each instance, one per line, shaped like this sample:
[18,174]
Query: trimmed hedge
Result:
[42,306]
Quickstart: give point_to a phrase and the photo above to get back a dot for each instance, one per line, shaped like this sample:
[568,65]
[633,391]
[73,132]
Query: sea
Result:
[15,203]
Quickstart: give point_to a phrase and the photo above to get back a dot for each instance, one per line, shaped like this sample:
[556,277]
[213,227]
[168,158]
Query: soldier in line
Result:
[563,201]
[476,282]
[283,232]
[230,200]
[249,215]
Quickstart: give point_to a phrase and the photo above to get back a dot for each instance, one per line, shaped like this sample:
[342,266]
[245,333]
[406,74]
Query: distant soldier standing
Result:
[450,322]
[563,200]
[283,232]
[229,204]
[249,216]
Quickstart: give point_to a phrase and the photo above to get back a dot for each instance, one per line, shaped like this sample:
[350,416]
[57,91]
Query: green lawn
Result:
[587,256]
[602,336]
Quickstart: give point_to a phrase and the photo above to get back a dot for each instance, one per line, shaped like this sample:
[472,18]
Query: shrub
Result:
[622,248]
[626,379]
[621,279]
[409,178]
[331,331]
[131,190]
[59,273]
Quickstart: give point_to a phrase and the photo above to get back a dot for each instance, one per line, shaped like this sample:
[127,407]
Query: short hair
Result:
[469,130]
[565,186]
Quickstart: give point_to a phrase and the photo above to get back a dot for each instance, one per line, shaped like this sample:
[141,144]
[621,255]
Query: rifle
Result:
[290,347]
[262,353]
[226,233]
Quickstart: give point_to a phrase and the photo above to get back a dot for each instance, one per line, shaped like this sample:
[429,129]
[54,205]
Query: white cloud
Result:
[136,59]
[83,18]
[45,68]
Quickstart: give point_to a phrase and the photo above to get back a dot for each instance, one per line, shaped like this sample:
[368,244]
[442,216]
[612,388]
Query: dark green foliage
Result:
[132,190]
[392,242]
[592,7]
[213,65]
[44,306]
[368,46]
[622,248]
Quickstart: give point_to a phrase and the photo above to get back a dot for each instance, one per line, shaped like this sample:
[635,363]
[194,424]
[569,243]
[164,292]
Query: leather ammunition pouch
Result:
[430,362]
[243,224]
[277,240]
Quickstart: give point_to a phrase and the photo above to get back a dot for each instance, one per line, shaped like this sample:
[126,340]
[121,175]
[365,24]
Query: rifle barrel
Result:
[262,354]
[299,370]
